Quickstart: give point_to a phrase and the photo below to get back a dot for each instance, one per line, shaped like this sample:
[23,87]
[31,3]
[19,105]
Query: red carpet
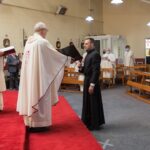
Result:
[12,130]
[67,132]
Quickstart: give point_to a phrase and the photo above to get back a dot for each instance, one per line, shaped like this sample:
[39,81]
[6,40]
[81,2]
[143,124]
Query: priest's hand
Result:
[72,60]
[91,89]
[79,64]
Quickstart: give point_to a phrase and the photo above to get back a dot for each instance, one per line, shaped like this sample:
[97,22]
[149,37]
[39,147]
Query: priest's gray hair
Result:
[39,26]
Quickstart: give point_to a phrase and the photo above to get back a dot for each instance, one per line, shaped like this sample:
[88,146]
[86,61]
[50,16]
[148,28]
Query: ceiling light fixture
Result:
[148,24]
[90,18]
[116,2]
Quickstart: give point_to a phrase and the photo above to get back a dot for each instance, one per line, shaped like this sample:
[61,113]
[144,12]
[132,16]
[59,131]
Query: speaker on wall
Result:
[1,1]
[61,10]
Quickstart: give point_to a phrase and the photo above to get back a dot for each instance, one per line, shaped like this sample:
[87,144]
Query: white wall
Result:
[16,15]
[129,20]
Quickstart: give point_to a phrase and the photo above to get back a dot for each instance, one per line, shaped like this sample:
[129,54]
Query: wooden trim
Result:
[140,98]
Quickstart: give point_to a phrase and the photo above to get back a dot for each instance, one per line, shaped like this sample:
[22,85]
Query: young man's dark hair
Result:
[91,40]
[127,46]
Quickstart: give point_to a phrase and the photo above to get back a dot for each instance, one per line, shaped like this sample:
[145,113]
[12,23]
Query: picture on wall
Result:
[147,49]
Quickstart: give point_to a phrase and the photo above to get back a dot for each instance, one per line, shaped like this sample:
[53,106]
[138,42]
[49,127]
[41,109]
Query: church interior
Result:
[121,33]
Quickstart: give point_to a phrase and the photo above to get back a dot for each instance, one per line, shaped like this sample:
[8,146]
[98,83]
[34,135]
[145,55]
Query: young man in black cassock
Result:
[92,112]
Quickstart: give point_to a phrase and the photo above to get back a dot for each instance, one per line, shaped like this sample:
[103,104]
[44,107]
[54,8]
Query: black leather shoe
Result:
[38,129]
[93,128]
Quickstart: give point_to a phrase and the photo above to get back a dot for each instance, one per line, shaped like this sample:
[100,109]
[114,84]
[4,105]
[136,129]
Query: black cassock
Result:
[92,112]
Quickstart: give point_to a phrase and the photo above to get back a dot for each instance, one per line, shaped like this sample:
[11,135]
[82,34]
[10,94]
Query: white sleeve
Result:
[112,58]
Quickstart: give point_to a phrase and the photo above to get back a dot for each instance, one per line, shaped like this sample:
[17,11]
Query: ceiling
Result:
[146,1]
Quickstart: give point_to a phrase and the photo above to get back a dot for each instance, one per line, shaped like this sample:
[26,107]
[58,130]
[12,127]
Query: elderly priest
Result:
[41,75]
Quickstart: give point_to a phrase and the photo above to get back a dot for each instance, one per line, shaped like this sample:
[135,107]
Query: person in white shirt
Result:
[128,58]
[74,65]
[108,61]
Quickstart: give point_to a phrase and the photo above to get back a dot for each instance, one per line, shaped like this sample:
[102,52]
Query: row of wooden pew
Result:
[119,74]
[137,81]
[72,78]
[139,85]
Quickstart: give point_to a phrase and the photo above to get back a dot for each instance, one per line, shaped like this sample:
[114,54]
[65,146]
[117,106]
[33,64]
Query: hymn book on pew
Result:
[8,50]
[72,52]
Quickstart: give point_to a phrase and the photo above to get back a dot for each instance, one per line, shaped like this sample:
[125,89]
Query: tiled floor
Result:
[127,120]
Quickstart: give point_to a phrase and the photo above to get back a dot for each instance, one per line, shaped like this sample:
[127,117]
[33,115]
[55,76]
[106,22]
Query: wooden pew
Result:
[143,75]
[142,90]
[147,81]
[131,69]
[139,86]
[70,78]
[120,73]
[140,67]
[137,68]
[111,79]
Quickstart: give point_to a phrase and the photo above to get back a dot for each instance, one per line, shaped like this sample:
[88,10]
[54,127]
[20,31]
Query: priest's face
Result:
[43,33]
[88,45]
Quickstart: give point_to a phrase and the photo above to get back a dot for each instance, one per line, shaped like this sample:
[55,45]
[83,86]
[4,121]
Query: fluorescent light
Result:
[148,24]
[116,2]
[89,18]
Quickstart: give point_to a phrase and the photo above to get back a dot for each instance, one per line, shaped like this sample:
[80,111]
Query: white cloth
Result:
[41,75]
[104,60]
[108,61]
[2,83]
[1,101]
[128,60]
[2,78]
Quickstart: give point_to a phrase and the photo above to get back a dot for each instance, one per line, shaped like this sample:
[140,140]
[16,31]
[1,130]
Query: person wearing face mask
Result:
[108,61]
[128,58]
[104,59]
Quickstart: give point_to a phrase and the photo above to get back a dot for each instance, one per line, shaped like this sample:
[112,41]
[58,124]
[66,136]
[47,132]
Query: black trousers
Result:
[13,81]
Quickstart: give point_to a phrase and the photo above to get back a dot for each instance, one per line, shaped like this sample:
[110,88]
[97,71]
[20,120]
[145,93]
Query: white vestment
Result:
[81,76]
[108,61]
[2,82]
[128,60]
[41,75]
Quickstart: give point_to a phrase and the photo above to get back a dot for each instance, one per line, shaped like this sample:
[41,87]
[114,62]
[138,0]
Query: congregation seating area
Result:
[71,80]
[139,85]
[137,79]
[108,80]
